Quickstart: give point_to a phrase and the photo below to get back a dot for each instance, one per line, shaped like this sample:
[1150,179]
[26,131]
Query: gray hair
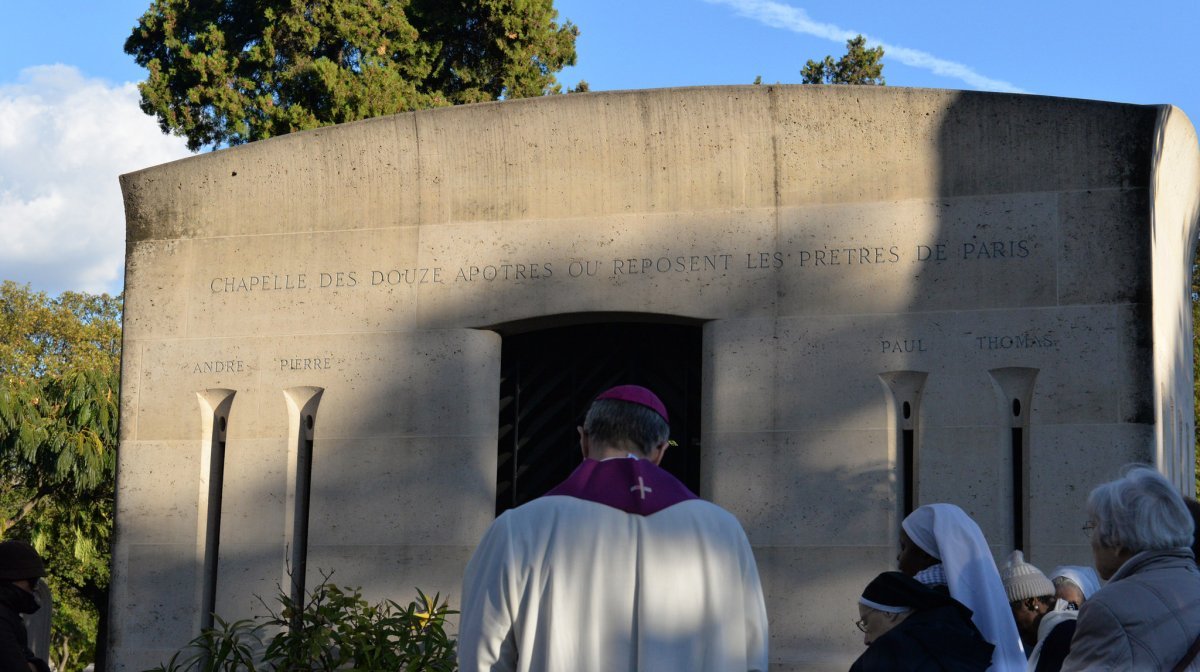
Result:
[618,423]
[1064,581]
[1141,511]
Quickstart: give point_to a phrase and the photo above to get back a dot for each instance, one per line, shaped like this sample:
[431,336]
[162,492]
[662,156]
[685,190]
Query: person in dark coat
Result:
[20,569]
[909,627]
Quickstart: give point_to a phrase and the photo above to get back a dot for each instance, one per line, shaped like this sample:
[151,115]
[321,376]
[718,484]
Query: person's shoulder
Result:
[947,637]
[526,524]
[1063,630]
[895,651]
[12,628]
[538,511]
[704,508]
[1126,591]
[1173,566]
[1105,610]
[548,503]
[10,615]
[703,514]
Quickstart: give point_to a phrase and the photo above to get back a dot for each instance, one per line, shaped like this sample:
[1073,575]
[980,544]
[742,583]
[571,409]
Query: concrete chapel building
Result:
[348,349]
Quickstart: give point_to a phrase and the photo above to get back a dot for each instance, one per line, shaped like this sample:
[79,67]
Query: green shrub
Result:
[336,629]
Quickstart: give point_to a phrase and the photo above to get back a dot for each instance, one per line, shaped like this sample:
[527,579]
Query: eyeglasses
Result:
[862,624]
[1089,528]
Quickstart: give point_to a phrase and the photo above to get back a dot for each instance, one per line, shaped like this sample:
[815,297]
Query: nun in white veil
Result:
[1075,583]
[948,537]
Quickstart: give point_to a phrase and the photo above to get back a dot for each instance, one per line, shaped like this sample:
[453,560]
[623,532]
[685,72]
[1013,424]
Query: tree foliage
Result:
[226,72]
[59,383]
[859,65]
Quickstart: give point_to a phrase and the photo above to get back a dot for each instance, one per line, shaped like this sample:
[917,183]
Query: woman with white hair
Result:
[1147,617]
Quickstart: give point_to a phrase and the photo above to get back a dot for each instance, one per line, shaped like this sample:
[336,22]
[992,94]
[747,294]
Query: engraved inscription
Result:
[339,279]
[902,346]
[251,283]
[695,263]
[764,260]
[406,276]
[996,249]
[1024,341]
[931,252]
[875,254]
[305,363]
[219,366]
[849,256]
[977,250]
[490,272]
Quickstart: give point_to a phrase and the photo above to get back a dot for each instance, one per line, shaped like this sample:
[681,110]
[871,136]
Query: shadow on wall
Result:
[1063,184]
[1031,244]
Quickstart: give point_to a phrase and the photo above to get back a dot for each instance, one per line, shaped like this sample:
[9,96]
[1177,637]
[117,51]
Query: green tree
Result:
[226,72]
[859,65]
[59,383]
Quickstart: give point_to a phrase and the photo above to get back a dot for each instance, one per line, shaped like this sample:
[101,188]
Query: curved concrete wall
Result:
[847,249]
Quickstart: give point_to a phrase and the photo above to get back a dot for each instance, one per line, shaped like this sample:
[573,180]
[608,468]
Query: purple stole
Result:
[631,485]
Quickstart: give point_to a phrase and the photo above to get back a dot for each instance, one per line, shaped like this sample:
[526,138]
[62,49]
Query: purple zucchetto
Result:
[636,394]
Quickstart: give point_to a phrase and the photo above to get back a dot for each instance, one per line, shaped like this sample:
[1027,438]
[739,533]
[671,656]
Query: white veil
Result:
[1085,578]
[947,533]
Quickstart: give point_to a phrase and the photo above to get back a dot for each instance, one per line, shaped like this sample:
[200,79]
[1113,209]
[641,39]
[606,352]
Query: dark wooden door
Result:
[549,377]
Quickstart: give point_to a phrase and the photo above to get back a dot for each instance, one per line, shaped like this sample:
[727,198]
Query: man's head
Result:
[625,419]
[20,564]
[1030,595]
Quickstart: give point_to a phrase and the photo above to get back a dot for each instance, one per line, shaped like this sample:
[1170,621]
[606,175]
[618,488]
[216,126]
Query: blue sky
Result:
[69,121]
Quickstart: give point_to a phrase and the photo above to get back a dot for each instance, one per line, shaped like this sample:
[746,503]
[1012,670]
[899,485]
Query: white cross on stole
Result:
[642,487]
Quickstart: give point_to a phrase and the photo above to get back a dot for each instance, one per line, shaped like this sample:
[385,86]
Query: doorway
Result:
[549,377]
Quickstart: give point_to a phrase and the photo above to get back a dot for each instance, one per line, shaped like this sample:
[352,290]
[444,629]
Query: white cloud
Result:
[64,140]
[786,17]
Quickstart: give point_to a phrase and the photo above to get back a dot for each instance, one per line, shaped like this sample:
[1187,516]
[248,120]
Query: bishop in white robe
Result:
[620,567]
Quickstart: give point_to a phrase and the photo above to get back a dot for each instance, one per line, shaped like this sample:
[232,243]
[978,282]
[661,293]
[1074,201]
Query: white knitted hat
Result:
[1022,580]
